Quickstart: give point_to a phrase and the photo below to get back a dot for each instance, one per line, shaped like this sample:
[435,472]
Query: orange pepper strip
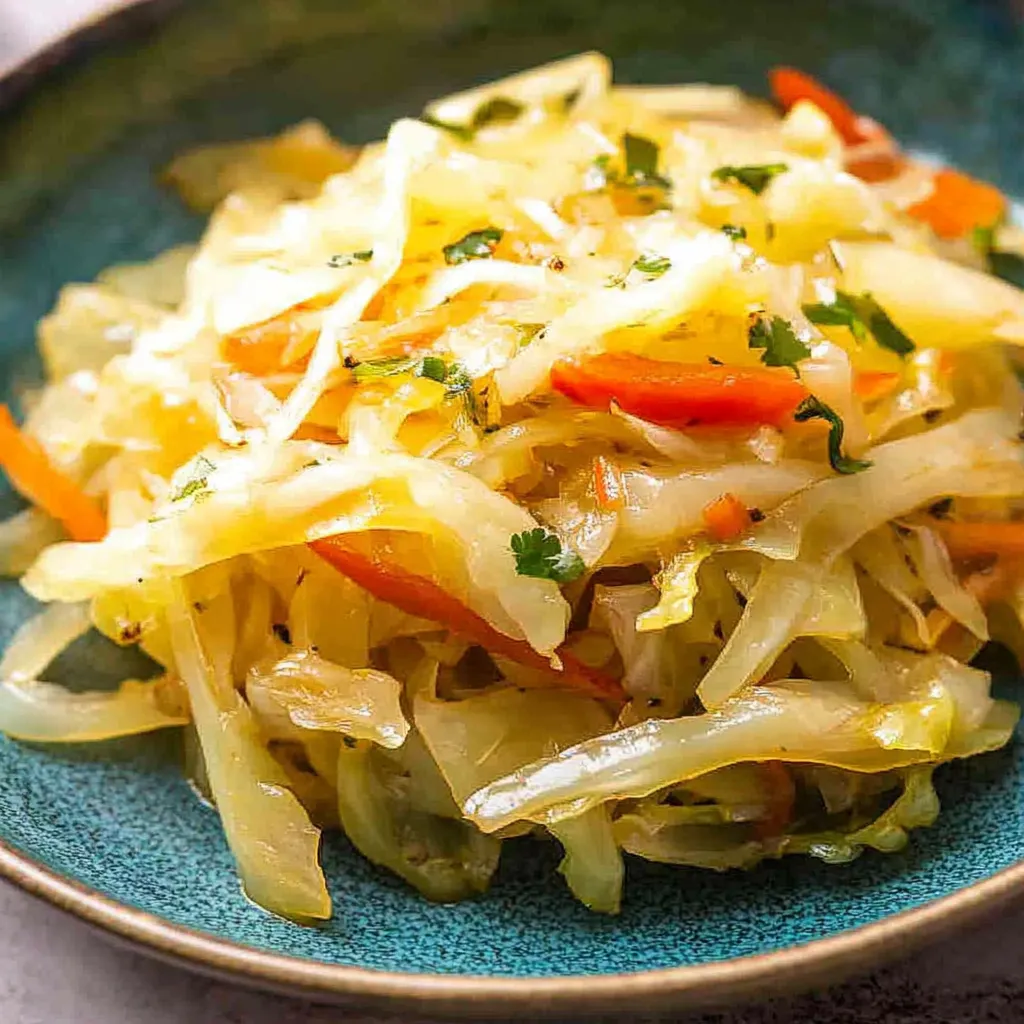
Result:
[35,478]
[968,540]
[608,486]
[726,517]
[681,394]
[422,597]
[959,204]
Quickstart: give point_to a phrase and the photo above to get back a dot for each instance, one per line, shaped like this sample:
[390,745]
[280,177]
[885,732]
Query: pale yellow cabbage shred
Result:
[231,402]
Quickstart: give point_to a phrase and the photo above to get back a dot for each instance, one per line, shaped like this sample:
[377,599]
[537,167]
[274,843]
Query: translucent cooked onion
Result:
[271,837]
[316,694]
[42,712]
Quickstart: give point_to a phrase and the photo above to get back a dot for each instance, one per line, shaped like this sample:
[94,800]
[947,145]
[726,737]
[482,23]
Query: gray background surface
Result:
[54,970]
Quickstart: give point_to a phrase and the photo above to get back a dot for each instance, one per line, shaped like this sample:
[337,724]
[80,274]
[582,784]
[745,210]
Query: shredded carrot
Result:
[968,540]
[789,86]
[871,385]
[377,572]
[726,517]
[608,486]
[781,798]
[263,348]
[958,204]
[35,478]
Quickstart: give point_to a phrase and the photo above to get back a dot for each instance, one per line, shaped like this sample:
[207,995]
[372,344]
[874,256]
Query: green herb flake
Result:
[734,231]
[652,265]
[812,408]
[458,131]
[477,245]
[195,482]
[754,177]
[540,554]
[497,110]
[641,158]
[434,368]
[346,259]
[390,367]
[528,332]
[862,315]
[1008,266]
[778,339]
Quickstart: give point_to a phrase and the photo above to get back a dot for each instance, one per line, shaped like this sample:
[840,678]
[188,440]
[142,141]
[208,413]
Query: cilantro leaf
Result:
[195,480]
[346,259]
[477,245]
[459,131]
[497,110]
[540,554]
[778,339]
[734,231]
[813,408]
[653,265]
[755,177]
[863,315]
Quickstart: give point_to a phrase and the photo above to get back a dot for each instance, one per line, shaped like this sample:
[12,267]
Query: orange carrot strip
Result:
[726,517]
[870,385]
[968,540]
[608,486]
[420,596]
[781,799]
[959,204]
[34,477]
[789,86]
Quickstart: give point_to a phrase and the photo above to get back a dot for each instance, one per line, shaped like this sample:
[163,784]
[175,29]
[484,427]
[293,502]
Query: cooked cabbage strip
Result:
[273,842]
[794,721]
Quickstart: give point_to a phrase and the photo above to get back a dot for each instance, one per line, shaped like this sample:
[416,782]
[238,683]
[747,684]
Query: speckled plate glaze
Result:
[114,834]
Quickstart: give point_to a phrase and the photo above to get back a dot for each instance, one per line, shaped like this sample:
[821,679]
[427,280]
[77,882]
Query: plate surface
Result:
[115,834]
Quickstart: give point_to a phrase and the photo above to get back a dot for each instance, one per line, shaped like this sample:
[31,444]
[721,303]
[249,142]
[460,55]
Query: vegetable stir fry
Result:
[633,467]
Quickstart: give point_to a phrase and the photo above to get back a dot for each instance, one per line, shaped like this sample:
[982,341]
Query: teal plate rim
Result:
[691,987]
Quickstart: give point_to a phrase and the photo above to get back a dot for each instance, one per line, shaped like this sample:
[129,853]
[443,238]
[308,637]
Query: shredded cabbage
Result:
[608,464]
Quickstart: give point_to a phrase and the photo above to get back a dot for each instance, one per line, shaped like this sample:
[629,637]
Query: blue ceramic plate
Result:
[115,835]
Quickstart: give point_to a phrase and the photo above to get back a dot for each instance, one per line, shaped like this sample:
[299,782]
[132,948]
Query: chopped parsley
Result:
[527,333]
[812,408]
[778,339]
[1005,265]
[734,231]
[433,367]
[640,161]
[477,245]
[652,265]
[346,259]
[195,481]
[641,157]
[754,177]
[497,110]
[383,367]
[459,131]
[540,554]
[863,315]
